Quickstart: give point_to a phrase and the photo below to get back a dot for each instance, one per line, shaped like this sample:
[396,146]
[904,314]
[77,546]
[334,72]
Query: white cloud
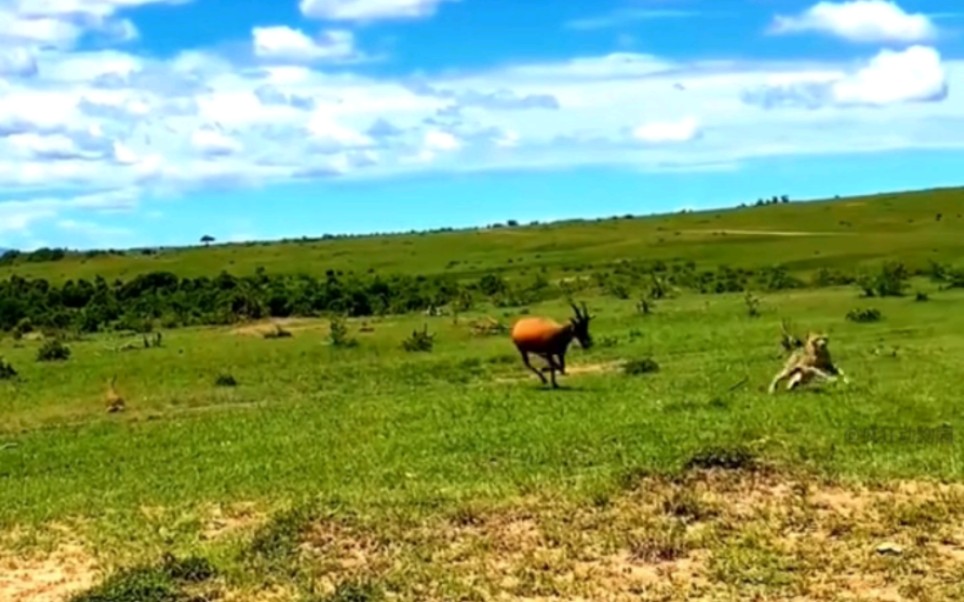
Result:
[437,140]
[860,21]
[77,127]
[285,43]
[214,143]
[368,10]
[913,75]
[663,132]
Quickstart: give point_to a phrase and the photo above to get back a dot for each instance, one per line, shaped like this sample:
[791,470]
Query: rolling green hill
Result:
[801,235]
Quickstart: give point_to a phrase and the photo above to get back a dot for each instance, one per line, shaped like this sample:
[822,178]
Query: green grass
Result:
[373,431]
[853,231]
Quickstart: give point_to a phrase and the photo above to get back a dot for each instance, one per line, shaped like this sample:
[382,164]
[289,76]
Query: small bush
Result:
[920,297]
[53,350]
[6,370]
[225,380]
[645,365]
[338,334]
[890,281]
[419,341]
[865,315]
[752,305]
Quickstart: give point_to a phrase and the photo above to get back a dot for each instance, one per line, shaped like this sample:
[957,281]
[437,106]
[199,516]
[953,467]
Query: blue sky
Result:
[147,122]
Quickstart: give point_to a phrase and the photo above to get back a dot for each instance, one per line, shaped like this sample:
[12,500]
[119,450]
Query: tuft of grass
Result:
[864,315]
[225,380]
[635,367]
[726,458]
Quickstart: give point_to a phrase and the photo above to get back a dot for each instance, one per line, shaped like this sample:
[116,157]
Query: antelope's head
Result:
[580,326]
[818,341]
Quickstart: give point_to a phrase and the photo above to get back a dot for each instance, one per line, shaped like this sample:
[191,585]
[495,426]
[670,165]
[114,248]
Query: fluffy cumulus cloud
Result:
[286,44]
[860,21]
[85,133]
[913,75]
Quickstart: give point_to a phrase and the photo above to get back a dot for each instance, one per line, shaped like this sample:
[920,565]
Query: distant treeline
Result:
[166,300]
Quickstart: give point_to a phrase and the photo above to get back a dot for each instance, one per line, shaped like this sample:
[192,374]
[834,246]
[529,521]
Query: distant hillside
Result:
[913,227]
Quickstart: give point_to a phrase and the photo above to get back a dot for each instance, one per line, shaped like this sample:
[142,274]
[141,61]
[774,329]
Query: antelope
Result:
[550,340]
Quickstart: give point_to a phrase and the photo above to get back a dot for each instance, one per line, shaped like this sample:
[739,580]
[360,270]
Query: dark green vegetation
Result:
[351,457]
[505,267]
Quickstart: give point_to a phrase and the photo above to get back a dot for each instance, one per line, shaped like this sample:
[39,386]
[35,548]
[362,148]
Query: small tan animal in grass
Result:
[115,403]
[550,340]
[810,362]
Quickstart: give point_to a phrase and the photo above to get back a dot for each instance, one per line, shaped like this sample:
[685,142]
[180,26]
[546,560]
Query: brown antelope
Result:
[550,340]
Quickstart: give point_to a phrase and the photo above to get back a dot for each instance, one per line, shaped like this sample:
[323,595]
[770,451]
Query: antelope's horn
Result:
[575,309]
[585,310]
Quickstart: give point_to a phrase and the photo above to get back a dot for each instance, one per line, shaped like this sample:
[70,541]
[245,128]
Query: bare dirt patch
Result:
[52,578]
[263,327]
[710,535]
[571,369]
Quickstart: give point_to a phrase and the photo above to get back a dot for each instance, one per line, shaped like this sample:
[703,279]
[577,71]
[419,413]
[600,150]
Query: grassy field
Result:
[803,236]
[370,472]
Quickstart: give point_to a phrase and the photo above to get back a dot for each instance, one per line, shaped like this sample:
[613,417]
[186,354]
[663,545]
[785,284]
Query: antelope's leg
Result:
[561,363]
[525,360]
[552,373]
[776,380]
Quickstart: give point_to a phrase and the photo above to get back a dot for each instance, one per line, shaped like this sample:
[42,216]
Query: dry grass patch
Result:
[52,577]
[708,535]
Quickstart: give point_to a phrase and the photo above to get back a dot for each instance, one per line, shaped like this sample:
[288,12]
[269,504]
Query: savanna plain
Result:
[395,447]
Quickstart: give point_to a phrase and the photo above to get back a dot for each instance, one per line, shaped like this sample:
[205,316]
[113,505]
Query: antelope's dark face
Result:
[580,326]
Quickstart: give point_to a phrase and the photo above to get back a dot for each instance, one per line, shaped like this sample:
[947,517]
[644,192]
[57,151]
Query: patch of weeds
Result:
[686,504]
[607,342]
[274,546]
[726,458]
[352,591]
[921,297]
[864,315]
[160,583]
[53,350]
[419,341]
[749,561]
[6,370]
[644,365]
[659,543]
[277,333]
[225,380]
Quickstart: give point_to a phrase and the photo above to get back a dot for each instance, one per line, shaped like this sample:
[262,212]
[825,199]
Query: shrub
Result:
[53,350]
[869,314]
[890,281]
[921,297]
[225,380]
[752,303]
[419,341]
[338,333]
[6,370]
